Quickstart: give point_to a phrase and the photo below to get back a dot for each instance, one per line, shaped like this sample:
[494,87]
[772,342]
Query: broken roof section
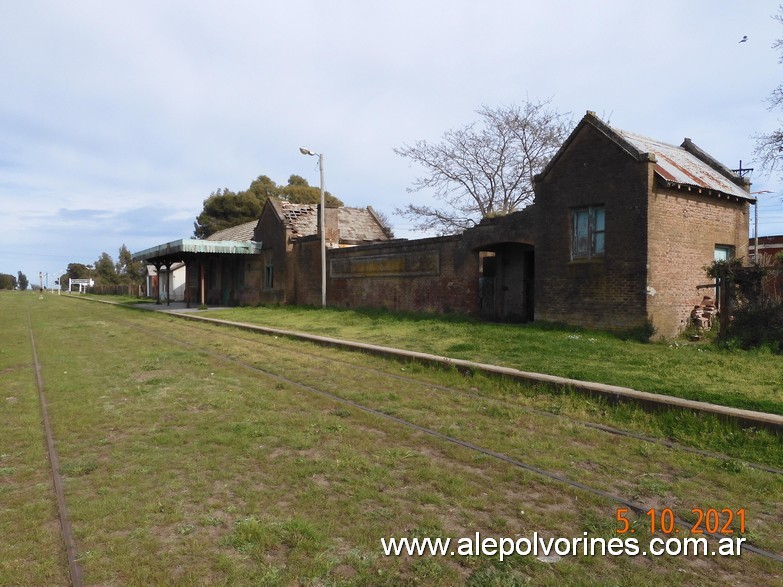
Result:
[300,219]
[686,166]
[355,225]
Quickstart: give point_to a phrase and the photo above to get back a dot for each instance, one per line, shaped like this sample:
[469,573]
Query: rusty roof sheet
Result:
[679,166]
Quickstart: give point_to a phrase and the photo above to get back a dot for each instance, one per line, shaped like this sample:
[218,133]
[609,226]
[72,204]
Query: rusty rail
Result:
[66,530]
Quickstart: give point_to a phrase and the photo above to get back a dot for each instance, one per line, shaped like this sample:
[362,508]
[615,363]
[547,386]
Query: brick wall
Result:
[304,272]
[603,292]
[271,232]
[430,275]
[684,228]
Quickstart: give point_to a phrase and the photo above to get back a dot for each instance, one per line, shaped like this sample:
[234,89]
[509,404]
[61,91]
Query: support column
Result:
[168,283]
[158,265]
[187,285]
[202,283]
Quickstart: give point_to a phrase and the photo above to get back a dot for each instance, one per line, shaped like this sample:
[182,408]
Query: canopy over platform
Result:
[179,250]
[200,252]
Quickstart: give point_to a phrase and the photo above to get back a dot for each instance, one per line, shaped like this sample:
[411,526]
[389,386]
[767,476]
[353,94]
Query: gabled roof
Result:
[241,232]
[686,166]
[359,225]
[355,225]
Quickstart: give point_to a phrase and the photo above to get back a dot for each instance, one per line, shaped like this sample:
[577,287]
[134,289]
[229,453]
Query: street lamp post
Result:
[756,226]
[322,221]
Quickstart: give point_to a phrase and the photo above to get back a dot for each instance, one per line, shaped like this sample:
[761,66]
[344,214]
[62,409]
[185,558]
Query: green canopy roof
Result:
[183,246]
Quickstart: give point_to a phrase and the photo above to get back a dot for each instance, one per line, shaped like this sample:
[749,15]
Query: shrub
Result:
[757,326]
[756,306]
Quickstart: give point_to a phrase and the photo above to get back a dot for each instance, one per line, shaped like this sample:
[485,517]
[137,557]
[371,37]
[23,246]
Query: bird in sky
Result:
[744,39]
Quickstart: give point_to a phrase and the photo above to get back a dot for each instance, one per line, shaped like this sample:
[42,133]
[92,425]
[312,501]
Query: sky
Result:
[119,118]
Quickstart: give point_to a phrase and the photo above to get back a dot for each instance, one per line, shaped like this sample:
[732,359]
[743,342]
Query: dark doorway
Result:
[506,282]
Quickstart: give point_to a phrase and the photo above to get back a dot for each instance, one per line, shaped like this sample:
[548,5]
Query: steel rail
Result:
[632,505]
[75,572]
[584,423]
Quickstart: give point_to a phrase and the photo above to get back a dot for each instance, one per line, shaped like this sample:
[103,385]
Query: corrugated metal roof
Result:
[178,247]
[677,165]
[686,166]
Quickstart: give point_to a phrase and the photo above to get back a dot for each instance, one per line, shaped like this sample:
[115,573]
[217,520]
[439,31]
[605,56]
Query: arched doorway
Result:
[506,282]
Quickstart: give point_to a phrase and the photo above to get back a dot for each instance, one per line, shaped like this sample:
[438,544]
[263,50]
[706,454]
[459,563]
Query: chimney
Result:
[332,225]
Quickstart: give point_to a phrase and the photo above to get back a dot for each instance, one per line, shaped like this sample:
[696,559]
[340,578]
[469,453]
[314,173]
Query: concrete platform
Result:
[177,307]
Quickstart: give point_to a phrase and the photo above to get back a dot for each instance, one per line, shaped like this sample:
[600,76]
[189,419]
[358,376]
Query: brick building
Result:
[631,223]
[619,235]
[769,247]
[291,246]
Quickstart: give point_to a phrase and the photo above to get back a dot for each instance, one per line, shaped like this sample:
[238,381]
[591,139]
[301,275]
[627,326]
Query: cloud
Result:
[120,118]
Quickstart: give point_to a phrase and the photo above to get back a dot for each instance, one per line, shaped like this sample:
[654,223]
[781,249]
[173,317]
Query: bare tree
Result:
[769,147]
[485,168]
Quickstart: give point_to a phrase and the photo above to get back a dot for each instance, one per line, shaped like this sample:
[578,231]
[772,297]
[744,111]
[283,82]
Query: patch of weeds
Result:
[643,450]
[431,530]
[491,576]
[598,524]
[399,454]
[211,521]
[252,535]
[78,468]
[298,533]
[248,534]
[185,530]
[461,347]
[498,412]
[250,429]
[733,466]
[4,471]
[654,486]
[431,571]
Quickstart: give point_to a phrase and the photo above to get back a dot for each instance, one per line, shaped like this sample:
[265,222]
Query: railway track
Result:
[452,391]
[66,530]
[212,350]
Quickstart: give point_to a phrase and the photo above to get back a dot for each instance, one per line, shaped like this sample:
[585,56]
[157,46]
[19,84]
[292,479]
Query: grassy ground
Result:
[704,372]
[184,468]
[30,544]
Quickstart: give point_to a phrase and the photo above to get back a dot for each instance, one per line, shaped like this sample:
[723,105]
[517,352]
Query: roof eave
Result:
[699,189]
[198,246]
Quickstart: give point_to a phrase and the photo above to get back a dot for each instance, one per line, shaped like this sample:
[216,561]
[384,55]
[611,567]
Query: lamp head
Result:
[305,151]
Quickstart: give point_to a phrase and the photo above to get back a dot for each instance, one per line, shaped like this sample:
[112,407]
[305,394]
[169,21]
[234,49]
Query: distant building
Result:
[769,246]
[246,264]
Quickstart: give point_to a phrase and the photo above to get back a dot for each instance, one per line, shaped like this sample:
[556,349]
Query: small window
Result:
[588,232]
[269,276]
[723,253]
